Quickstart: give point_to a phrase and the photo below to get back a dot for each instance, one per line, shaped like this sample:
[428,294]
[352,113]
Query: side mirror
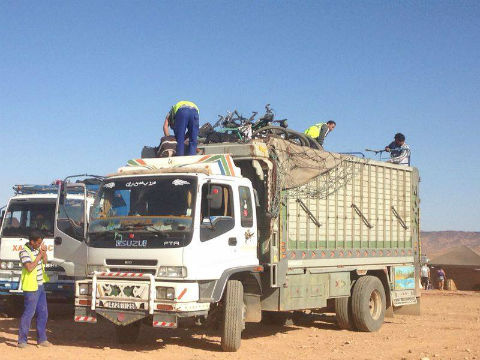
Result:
[63,193]
[215,198]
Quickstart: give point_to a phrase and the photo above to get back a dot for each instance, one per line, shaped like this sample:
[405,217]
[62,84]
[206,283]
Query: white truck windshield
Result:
[22,217]
[159,208]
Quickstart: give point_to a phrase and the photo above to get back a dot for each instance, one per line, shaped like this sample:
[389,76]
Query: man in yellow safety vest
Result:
[33,258]
[320,131]
[182,117]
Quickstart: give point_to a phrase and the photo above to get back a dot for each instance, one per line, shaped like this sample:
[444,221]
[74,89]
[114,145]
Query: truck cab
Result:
[162,242]
[31,208]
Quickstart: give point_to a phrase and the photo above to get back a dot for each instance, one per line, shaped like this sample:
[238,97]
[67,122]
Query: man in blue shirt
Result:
[399,151]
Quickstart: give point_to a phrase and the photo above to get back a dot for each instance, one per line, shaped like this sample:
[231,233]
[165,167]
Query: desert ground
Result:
[448,328]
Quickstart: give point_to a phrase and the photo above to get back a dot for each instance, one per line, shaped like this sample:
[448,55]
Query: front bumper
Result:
[125,298]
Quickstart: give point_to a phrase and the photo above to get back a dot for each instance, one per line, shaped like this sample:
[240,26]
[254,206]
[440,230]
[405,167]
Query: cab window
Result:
[70,218]
[246,213]
[221,217]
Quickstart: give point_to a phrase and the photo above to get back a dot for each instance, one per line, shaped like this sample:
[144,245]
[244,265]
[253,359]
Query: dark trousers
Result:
[186,118]
[35,303]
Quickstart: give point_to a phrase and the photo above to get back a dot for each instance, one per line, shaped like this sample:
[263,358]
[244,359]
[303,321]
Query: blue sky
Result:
[85,84]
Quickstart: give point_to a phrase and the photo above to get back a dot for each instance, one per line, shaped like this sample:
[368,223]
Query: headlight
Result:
[84,289]
[3,265]
[165,293]
[10,265]
[172,271]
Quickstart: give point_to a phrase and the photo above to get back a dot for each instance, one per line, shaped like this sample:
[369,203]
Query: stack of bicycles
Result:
[233,127]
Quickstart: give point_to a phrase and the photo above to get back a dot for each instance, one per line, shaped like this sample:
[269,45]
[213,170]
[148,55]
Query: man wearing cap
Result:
[182,117]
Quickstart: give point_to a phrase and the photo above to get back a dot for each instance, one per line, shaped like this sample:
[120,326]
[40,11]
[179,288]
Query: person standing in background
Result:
[425,276]
[441,278]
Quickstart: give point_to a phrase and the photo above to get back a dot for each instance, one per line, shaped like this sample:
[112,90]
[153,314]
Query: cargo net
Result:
[308,173]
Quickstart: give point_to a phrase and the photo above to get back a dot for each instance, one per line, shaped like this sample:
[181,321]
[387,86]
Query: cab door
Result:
[71,229]
[247,230]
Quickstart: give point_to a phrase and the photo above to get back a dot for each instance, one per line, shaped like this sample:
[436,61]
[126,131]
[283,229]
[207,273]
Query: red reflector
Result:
[131,236]
[215,191]
[85,302]
[164,307]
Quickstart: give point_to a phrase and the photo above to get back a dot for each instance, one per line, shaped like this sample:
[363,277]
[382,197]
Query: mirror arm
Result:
[209,201]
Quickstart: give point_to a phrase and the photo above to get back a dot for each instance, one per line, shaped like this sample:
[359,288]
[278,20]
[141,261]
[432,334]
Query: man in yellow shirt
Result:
[320,131]
[183,116]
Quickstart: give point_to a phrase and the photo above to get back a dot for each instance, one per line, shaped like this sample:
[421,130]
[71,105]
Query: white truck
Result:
[31,208]
[243,230]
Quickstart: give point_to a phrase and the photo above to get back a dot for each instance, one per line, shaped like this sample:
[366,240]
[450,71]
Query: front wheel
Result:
[368,303]
[128,334]
[233,321]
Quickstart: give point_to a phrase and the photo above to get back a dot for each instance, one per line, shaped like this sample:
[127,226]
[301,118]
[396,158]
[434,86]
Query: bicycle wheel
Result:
[277,131]
[297,137]
[313,143]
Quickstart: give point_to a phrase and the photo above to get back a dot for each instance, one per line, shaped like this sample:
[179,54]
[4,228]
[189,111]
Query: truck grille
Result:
[136,271]
[131,262]
[122,291]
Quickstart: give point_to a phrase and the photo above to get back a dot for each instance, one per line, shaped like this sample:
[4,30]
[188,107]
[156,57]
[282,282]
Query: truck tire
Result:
[128,334]
[343,312]
[368,304]
[233,316]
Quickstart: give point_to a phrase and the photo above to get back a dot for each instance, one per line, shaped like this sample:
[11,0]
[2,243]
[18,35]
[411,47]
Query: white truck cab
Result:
[31,208]
[163,239]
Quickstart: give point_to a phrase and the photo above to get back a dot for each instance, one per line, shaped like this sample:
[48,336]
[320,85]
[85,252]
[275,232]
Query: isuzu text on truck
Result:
[245,230]
[31,208]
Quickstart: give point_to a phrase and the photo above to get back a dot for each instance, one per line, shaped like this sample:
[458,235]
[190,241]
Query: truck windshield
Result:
[24,216]
[159,209]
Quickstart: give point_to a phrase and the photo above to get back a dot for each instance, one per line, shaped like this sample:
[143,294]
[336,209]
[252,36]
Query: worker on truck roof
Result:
[320,131]
[183,116]
[399,151]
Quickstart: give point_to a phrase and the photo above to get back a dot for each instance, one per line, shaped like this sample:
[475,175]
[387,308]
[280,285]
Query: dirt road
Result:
[449,328]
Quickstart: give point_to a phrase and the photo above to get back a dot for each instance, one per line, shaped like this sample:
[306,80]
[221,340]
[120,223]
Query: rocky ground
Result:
[448,328]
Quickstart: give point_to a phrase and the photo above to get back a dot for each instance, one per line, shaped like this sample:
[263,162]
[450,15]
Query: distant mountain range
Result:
[438,242]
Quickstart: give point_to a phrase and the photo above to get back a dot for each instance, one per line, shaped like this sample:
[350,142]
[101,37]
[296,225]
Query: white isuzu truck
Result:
[31,208]
[246,230]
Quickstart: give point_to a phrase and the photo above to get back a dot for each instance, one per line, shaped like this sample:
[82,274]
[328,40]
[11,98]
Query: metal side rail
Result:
[122,275]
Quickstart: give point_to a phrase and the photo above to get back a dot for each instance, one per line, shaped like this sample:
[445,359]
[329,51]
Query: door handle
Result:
[232,241]
[58,240]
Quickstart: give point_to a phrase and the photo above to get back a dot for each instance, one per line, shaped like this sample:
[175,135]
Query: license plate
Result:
[403,294]
[120,305]
[405,301]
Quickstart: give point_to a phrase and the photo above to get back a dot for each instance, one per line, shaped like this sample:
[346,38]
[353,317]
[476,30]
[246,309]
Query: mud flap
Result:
[84,314]
[121,317]
[165,321]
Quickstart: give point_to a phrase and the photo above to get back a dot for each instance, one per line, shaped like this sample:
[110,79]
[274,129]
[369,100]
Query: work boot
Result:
[45,344]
